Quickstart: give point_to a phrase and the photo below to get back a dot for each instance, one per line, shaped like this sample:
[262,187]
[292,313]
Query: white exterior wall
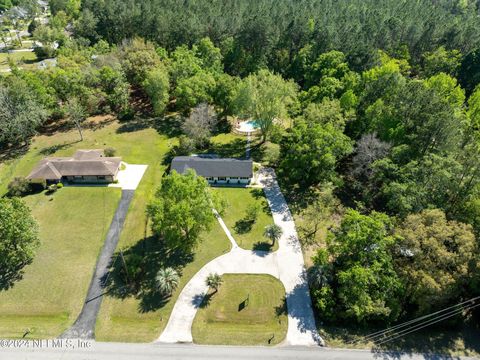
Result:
[229,180]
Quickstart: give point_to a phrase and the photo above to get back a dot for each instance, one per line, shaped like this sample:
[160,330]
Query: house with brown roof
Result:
[85,166]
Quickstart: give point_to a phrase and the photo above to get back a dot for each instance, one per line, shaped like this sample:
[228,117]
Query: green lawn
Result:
[248,236]
[73,224]
[227,318]
[133,318]
[137,145]
[19,58]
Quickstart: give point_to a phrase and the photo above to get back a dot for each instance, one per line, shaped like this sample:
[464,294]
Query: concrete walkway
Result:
[286,264]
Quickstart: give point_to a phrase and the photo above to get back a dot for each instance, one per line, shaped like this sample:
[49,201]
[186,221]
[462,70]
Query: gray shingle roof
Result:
[208,167]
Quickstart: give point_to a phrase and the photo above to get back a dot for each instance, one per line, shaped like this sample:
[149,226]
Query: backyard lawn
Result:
[247,310]
[248,235]
[73,224]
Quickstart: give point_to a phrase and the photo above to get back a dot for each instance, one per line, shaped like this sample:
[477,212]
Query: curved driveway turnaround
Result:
[286,264]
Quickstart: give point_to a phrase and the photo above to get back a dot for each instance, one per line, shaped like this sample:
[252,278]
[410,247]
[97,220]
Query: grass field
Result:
[226,319]
[73,224]
[19,58]
[248,236]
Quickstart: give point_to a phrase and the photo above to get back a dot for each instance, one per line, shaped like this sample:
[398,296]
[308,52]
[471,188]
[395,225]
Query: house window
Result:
[101,177]
[222,178]
[245,178]
[78,177]
[233,177]
[209,178]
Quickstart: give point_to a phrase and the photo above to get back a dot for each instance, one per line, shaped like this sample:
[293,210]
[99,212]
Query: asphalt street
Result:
[124,351]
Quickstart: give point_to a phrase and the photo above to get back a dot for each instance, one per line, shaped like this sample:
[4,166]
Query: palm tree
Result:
[214,281]
[167,280]
[273,232]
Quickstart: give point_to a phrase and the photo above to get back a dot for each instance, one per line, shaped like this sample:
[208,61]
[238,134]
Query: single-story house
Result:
[216,170]
[85,166]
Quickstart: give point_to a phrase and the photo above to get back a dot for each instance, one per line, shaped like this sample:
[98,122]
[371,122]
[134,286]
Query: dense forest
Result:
[383,104]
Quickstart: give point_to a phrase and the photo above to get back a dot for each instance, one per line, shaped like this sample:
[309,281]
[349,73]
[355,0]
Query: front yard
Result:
[247,310]
[249,235]
[73,224]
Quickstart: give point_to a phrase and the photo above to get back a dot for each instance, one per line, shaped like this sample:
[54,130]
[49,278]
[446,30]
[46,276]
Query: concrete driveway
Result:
[286,264]
[130,176]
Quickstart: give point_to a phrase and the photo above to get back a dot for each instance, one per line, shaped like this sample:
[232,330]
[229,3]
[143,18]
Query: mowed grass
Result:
[125,320]
[248,236]
[19,58]
[227,318]
[143,146]
[73,224]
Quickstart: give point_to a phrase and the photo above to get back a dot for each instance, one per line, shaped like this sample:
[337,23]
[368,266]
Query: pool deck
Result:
[246,128]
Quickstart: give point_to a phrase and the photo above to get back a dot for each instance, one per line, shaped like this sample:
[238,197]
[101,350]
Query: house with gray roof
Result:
[216,170]
[85,166]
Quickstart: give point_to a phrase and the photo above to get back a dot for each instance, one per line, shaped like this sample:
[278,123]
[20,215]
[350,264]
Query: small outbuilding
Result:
[216,170]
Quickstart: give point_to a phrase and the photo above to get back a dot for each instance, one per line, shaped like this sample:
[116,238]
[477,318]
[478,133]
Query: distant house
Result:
[216,170]
[85,166]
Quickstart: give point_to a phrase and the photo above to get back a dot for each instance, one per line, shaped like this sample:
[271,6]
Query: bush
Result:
[109,152]
[38,186]
[59,185]
[19,186]
[52,188]
[252,212]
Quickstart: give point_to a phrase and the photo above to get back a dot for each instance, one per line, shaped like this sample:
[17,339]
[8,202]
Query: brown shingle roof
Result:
[88,154]
[84,163]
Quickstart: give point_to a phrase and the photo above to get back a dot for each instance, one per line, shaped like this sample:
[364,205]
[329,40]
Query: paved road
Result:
[121,351]
[286,264]
[84,326]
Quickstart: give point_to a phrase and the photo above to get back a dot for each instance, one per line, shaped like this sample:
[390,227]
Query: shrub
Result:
[52,188]
[38,186]
[59,185]
[252,212]
[19,186]
[109,151]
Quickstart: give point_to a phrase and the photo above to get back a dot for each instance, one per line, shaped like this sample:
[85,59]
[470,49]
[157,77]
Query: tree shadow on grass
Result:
[135,124]
[282,308]
[259,194]
[132,272]
[14,151]
[232,149]
[49,150]
[243,226]
[8,277]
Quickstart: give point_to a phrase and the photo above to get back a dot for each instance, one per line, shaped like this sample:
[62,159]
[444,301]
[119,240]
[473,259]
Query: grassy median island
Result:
[246,310]
[248,234]
[73,225]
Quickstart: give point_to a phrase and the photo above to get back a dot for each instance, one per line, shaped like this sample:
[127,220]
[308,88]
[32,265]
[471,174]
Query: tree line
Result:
[382,102]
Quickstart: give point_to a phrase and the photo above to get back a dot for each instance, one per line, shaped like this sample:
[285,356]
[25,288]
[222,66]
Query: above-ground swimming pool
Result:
[248,126]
